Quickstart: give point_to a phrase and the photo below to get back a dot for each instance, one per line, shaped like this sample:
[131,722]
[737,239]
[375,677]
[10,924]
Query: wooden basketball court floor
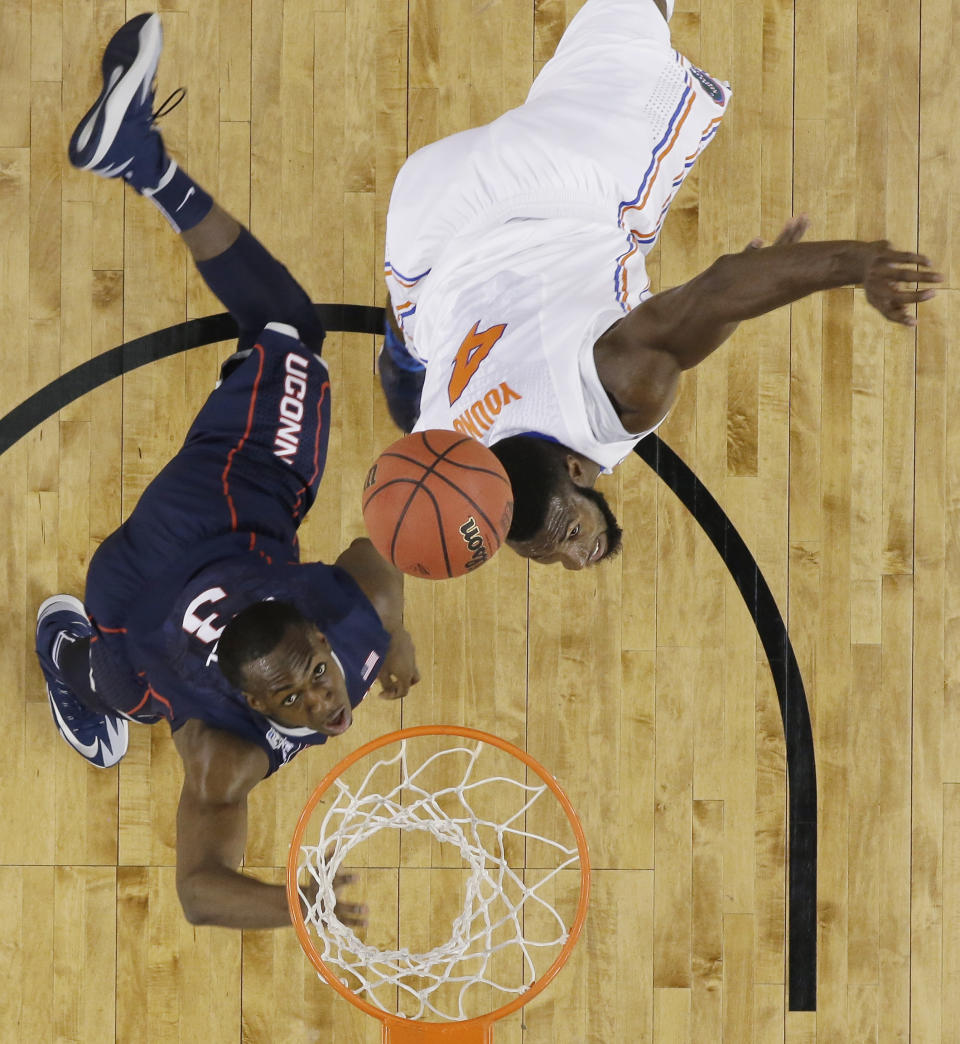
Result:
[828,437]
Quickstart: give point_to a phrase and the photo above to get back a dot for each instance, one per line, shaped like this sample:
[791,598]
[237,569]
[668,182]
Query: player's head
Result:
[557,514]
[285,668]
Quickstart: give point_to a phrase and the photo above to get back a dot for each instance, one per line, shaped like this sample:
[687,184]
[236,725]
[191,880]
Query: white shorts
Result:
[577,147]
[608,132]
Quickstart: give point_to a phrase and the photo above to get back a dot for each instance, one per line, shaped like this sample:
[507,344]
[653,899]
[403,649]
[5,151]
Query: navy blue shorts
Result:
[247,474]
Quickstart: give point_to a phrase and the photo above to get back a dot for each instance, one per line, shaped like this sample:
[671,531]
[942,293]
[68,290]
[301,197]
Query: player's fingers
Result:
[393,688]
[908,275]
[905,297]
[355,914]
[905,257]
[755,244]
[794,230]
[899,314]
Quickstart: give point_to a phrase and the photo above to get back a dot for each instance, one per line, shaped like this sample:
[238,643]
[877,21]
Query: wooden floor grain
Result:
[830,438]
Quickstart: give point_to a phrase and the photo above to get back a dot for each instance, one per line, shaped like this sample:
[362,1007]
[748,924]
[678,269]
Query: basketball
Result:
[437,504]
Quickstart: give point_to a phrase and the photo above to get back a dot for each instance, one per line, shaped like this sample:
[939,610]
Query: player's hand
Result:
[399,670]
[354,915]
[887,275]
[793,231]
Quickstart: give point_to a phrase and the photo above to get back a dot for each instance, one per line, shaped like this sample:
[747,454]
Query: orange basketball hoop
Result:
[444,792]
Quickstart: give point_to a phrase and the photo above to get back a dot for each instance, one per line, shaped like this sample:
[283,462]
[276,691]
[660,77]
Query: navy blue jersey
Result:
[178,677]
[222,516]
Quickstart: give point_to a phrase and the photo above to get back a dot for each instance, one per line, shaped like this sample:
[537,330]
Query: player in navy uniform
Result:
[200,612]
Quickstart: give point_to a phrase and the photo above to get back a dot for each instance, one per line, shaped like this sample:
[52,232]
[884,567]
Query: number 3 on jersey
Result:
[475,348]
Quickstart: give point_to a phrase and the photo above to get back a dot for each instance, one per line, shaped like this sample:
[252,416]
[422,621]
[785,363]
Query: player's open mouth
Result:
[340,722]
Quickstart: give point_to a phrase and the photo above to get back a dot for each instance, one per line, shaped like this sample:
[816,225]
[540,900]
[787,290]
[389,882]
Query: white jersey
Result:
[512,247]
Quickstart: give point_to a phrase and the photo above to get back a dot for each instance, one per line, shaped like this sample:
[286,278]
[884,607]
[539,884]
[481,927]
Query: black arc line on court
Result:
[194,333]
[801,767]
[798,735]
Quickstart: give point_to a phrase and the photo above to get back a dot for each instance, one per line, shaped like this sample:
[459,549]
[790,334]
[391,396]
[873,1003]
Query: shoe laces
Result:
[169,104]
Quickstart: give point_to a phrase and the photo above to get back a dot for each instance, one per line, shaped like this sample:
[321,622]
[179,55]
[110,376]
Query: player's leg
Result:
[63,649]
[401,376]
[426,211]
[255,287]
[117,138]
[606,45]
[259,410]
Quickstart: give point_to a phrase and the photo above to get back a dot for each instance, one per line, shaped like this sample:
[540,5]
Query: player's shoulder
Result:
[325,594]
[262,573]
[220,767]
[327,587]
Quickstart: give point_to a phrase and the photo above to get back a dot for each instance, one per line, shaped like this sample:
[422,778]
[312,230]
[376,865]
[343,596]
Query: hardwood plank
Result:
[826,435]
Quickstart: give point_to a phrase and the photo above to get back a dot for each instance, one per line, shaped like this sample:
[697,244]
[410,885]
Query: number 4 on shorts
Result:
[475,348]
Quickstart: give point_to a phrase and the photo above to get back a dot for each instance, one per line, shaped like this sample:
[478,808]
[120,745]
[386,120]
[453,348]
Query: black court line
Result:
[801,768]
[147,349]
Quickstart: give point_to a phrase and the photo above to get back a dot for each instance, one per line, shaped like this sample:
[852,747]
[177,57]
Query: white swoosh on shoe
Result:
[88,750]
[140,74]
[91,120]
[117,733]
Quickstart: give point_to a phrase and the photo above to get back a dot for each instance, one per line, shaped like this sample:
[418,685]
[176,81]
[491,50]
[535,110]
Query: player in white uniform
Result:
[515,267]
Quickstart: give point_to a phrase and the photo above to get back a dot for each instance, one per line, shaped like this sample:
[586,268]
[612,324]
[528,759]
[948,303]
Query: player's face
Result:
[300,685]
[580,530]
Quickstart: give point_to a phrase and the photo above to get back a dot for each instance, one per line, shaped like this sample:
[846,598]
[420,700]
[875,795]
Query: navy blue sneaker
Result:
[117,138]
[101,738]
[401,377]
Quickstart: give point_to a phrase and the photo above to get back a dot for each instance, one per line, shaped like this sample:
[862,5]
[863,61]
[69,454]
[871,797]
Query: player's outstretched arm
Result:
[640,358]
[383,585]
[220,770]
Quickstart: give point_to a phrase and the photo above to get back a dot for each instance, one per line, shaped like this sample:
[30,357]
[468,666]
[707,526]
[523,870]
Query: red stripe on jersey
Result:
[239,446]
[151,691]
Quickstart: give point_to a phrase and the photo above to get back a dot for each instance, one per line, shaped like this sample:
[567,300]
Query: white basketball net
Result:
[497,897]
